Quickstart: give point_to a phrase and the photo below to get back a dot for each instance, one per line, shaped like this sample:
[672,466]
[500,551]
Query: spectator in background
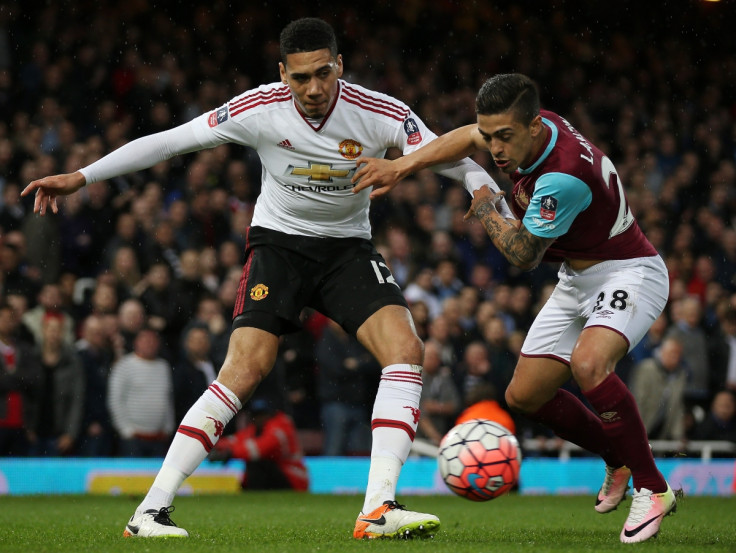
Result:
[348,379]
[658,385]
[157,297]
[476,249]
[503,360]
[76,239]
[474,368]
[722,350]
[187,287]
[446,282]
[194,370]
[20,382]
[440,399]
[399,256]
[211,315]
[12,211]
[270,447]
[422,289]
[652,339]
[687,329]
[131,319]
[140,398]
[720,422]
[296,364]
[126,234]
[49,301]
[125,270]
[60,405]
[439,331]
[96,355]
[420,314]
[104,299]
[161,247]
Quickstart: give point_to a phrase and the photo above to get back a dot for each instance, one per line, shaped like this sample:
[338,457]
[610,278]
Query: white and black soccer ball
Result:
[479,460]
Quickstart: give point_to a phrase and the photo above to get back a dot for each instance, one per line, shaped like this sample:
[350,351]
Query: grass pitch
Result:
[285,522]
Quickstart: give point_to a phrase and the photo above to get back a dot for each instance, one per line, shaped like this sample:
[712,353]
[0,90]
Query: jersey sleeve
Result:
[558,198]
[416,134]
[220,126]
[145,152]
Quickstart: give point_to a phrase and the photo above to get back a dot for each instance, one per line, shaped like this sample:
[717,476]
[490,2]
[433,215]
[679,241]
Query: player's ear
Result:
[536,125]
[339,66]
[282,72]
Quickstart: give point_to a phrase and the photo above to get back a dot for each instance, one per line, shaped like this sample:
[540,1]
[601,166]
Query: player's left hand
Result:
[483,196]
[381,174]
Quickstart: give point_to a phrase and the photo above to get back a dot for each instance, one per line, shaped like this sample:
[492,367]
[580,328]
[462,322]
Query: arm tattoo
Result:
[518,245]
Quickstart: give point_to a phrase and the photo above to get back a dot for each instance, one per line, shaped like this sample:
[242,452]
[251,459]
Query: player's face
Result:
[312,78]
[511,143]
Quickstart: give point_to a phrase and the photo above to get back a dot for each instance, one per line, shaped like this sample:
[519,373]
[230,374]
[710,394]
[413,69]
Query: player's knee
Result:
[241,381]
[413,348]
[518,402]
[588,370]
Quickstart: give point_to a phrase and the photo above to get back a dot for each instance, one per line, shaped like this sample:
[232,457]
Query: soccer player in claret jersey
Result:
[308,246]
[612,284]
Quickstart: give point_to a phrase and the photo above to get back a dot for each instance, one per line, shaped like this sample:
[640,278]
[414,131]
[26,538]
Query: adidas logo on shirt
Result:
[285,144]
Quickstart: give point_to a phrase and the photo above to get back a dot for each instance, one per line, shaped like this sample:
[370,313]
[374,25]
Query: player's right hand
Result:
[48,188]
[381,174]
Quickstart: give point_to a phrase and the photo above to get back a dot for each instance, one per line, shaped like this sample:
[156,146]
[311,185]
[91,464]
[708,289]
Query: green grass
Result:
[276,522]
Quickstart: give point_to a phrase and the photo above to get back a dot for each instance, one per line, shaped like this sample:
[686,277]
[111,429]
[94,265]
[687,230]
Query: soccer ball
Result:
[479,460]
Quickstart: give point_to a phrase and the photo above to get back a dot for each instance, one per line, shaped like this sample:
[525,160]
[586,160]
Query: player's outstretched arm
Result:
[48,188]
[383,174]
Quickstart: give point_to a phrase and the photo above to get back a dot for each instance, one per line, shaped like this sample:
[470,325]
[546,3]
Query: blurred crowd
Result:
[115,313]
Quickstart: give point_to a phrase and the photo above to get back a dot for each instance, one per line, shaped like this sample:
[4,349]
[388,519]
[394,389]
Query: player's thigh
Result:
[556,327]
[361,295]
[535,382]
[627,298]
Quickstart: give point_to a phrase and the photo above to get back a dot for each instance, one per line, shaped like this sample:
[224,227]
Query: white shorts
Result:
[626,296]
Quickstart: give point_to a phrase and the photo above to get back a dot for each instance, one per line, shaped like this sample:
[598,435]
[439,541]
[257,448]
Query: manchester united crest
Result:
[350,149]
[258,292]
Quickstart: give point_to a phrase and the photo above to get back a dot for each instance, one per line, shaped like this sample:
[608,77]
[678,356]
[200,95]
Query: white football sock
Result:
[198,432]
[394,423]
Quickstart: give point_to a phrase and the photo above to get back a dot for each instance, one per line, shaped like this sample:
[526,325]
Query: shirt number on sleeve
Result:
[624,218]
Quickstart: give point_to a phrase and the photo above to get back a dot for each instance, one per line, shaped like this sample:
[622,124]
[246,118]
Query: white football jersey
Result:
[306,188]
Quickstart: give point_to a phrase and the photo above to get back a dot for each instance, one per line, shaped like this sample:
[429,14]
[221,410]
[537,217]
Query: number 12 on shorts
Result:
[388,278]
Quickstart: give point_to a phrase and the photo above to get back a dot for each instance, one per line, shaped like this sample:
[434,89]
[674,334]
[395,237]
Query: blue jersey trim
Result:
[569,195]
[552,141]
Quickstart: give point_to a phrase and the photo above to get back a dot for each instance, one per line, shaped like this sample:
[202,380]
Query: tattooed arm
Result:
[513,240]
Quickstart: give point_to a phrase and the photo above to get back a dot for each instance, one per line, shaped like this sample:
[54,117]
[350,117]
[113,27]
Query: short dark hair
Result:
[509,92]
[307,35]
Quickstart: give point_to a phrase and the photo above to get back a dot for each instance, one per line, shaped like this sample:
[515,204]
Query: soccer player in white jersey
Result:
[308,246]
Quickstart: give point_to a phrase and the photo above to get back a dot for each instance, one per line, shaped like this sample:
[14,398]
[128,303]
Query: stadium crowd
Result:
[115,313]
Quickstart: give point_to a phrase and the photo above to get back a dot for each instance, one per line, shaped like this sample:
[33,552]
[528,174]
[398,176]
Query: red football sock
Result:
[623,427]
[571,420]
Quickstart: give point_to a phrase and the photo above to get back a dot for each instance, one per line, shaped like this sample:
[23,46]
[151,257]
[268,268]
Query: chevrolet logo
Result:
[320,172]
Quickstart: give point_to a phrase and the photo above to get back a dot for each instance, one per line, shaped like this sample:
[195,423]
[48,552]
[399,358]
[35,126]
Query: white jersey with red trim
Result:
[307,165]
